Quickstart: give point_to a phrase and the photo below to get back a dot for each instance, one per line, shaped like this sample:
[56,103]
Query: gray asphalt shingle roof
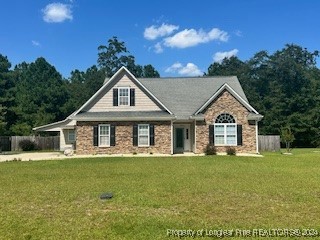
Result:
[184,96]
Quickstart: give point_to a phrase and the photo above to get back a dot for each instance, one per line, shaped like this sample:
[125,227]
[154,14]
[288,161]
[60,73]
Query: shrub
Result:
[210,150]
[27,145]
[230,151]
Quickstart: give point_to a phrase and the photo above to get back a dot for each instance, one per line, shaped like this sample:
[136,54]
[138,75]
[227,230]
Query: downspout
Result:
[195,136]
[171,137]
[257,138]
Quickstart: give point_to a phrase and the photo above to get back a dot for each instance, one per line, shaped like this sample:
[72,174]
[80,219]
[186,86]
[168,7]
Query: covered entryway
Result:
[182,138]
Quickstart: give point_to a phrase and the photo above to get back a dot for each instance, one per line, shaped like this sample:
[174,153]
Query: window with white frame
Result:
[225,130]
[104,135]
[143,135]
[71,135]
[124,96]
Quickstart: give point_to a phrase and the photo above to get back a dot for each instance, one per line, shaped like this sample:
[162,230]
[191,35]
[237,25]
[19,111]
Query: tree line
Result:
[283,86]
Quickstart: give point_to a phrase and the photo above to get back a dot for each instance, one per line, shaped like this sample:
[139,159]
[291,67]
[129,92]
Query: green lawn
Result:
[60,199]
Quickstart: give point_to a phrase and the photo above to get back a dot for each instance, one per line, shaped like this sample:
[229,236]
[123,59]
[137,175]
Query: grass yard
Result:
[60,199]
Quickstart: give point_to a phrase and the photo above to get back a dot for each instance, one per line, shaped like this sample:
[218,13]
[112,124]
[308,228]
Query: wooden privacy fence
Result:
[44,143]
[269,143]
[5,143]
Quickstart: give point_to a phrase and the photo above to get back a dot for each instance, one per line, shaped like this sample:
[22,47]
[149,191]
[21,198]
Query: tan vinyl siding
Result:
[105,101]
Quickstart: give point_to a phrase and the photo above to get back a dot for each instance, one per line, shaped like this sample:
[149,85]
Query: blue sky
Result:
[179,38]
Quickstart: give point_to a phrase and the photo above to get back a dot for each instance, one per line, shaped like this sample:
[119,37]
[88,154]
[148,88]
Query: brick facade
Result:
[226,103]
[124,139]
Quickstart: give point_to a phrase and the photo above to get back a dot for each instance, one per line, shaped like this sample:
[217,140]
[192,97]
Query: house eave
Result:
[123,119]
[254,117]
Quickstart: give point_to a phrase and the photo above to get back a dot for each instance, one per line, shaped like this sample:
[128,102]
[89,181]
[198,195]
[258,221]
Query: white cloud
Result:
[35,43]
[57,12]
[219,56]
[189,70]
[153,32]
[192,37]
[158,48]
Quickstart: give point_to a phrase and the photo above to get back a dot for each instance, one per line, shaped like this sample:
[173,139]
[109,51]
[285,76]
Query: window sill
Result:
[225,145]
[104,146]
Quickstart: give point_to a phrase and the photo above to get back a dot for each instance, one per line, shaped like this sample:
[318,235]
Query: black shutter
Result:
[112,135]
[115,97]
[151,134]
[95,135]
[211,134]
[135,135]
[132,97]
[239,135]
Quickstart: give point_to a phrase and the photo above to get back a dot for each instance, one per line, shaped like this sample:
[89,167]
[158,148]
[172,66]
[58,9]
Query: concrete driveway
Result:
[31,156]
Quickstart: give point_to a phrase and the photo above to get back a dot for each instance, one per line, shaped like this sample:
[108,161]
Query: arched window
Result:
[225,118]
[225,130]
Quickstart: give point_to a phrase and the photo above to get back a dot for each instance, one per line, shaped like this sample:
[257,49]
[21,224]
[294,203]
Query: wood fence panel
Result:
[5,143]
[44,143]
[269,143]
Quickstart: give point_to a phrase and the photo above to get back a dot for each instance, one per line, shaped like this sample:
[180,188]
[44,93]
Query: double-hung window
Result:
[71,135]
[143,135]
[225,130]
[124,96]
[104,135]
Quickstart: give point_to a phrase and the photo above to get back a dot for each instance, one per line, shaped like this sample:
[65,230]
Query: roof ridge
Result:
[200,77]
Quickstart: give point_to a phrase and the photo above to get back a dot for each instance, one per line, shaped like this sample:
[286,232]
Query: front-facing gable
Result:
[107,99]
[226,87]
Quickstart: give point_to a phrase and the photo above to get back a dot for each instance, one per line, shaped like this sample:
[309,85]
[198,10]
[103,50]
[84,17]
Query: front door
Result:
[179,140]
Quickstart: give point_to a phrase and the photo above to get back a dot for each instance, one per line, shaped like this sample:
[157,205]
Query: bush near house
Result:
[231,151]
[28,145]
[210,150]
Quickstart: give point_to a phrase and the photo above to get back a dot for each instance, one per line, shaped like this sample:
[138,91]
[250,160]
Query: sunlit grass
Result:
[60,199]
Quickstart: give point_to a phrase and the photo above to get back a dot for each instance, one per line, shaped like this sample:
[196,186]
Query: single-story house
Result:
[161,115]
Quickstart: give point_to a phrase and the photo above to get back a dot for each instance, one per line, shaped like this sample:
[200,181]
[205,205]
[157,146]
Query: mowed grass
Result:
[60,199]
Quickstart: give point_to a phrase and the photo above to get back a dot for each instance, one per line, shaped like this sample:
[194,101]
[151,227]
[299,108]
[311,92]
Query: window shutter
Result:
[135,135]
[151,134]
[211,134]
[112,135]
[132,97]
[239,135]
[115,97]
[95,135]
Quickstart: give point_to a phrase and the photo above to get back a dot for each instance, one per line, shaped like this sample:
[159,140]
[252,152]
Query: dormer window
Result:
[124,96]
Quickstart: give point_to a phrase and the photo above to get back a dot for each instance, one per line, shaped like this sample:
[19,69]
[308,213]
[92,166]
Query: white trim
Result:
[128,88]
[257,137]
[171,137]
[110,81]
[195,136]
[233,92]
[144,145]
[50,124]
[103,125]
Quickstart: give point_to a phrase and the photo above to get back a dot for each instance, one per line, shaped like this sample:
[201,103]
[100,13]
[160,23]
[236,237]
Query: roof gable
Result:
[98,100]
[233,93]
